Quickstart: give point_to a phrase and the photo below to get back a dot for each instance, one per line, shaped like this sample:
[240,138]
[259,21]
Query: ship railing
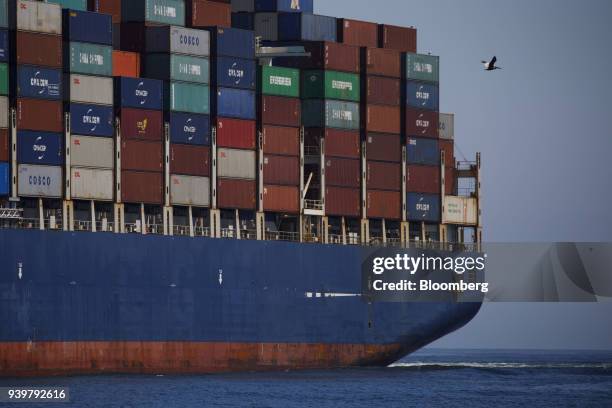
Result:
[334,238]
[248,234]
[52,226]
[82,225]
[29,223]
[313,205]
[155,229]
[201,231]
[110,226]
[181,230]
[228,233]
[311,238]
[282,236]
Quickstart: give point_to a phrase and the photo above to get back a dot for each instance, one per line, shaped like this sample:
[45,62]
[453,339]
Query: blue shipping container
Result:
[422,95]
[91,120]
[37,82]
[423,151]
[232,42]
[88,27]
[235,103]
[287,6]
[139,93]
[189,128]
[40,148]
[423,207]
[244,21]
[4,179]
[306,27]
[4,46]
[235,73]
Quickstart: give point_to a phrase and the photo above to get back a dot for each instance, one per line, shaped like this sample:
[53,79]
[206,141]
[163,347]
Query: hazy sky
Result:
[543,125]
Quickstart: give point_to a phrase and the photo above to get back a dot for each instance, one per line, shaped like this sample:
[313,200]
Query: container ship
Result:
[191,187]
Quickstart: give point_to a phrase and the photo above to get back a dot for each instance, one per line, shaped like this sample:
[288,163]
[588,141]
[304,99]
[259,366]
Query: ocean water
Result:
[429,378]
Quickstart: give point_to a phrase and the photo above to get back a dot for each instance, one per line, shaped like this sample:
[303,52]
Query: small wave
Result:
[495,365]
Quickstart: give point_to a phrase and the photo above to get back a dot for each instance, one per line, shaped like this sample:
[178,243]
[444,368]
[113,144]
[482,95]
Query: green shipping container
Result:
[178,68]
[92,59]
[423,67]
[71,4]
[279,81]
[4,14]
[4,79]
[185,97]
[328,113]
[330,85]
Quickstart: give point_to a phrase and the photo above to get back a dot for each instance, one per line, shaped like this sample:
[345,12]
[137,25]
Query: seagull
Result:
[490,66]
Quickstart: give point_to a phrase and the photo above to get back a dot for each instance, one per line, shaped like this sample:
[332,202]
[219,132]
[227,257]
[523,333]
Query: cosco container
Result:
[178,68]
[91,120]
[421,123]
[231,72]
[382,91]
[178,40]
[89,89]
[232,42]
[423,207]
[236,133]
[281,170]
[4,44]
[38,17]
[384,176]
[377,61]
[142,155]
[338,143]
[279,81]
[87,27]
[189,128]
[237,164]
[265,26]
[126,64]
[37,82]
[423,151]
[139,93]
[70,4]
[282,199]
[141,124]
[397,38]
[306,27]
[285,6]
[40,114]
[340,201]
[383,119]
[39,181]
[189,190]
[422,67]
[203,13]
[92,151]
[38,49]
[190,160]
[5,185]
[185,97]
[142,187]
[84,58]
[423,179]
[358,33]
[234,103]
[384,147]
[421,95]
[342,172]
[384,205]
[171,12]
[446,128]
[92,184]
[281,140]
[330,85]
[328,56]
[40,148]
[281,111]
[329,113]
[236,194]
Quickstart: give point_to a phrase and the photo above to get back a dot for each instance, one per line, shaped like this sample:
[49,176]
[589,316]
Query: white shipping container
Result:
[447,126]
[92,151]
[92,184]
[266,26]
[178,40]
[460,210]
[39,17]
[238,164]
[90,89]
[190,190]
[39,181]
[4,106]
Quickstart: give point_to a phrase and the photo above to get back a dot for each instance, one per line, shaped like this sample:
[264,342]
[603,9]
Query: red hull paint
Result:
[42,359]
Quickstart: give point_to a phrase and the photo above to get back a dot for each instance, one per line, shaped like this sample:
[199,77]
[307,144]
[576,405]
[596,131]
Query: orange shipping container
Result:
[384,176]
[126,64]
[423,179]
[449,152]
[4,145]
[141,155]
[340,201]
[141,187]
[281,140]
[236,194]
[283,199]
[449,181]
[190,160]
[383,119]
[384,204]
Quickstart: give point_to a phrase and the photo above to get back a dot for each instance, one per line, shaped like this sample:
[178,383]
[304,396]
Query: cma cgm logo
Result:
[39,148]
[39,82]
[141,93]
[89,119]
[422,123]
[421,206]
[235,72]
[190,40]
[189,129]
[423,95]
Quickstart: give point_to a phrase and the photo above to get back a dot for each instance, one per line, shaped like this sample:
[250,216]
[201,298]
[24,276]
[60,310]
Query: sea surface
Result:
[429,378]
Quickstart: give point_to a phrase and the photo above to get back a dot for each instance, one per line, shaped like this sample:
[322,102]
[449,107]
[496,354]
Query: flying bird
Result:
[490,66]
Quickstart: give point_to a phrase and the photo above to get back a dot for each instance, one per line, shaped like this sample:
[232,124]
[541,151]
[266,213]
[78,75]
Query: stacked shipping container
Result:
[208,13]
[446,131]
[5,156]
[263,17]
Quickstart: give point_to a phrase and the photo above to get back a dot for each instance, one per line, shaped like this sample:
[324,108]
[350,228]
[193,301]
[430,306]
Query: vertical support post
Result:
[365,231]
[423,231]
[384,232]
[322,188]
[260,226]
[301,226]
[364,191]
[191,229]
[92,213]
[143,220]
[213,177]
[41,215]
[405,234]
[343,231]
[166,164]
[215,223]
[325,230]
[479,202]
[13,122]
[237,215]
[260,170]
[119,218]
[405,176]
[118,175]
[68,168]
[302,192]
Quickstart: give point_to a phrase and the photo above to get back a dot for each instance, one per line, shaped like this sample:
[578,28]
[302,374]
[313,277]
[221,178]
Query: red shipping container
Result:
[397,38]
[236,194]
[142,155]
[281,140]
[343,202]
[383,91]
[4,146]
[377,61]
[141,124]
[112,7]
[338,143]
[384,176]
[384,147]
[126,64]
[40,114]
[423,179]
[358,33]
[449,152]
[236,133]
[142,187]
[328,56]
[202,13]
[342,172]
[422,123]
[383,119]
[39,49]
[281,170]
[282,199]
[449,181]
[190,160]
[384,205]
[278,110]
